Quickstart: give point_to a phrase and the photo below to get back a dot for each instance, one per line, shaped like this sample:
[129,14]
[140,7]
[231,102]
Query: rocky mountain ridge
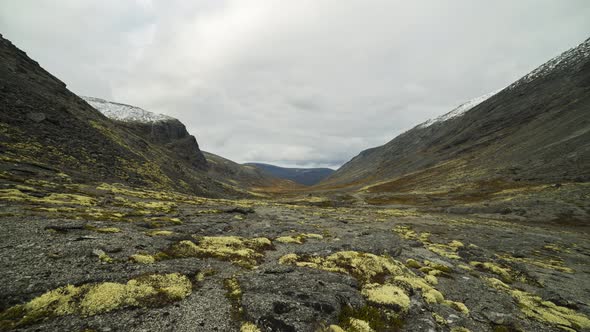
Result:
[531,135]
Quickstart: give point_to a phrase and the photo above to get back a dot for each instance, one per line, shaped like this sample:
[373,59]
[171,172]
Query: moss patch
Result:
[387,295]
[241,251]
[92,299]
[298,239]
[143,259]
[249,327]
[546,312]
[366,267]
[159,233]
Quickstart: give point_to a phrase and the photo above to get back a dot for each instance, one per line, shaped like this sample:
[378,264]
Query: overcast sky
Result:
[306,83]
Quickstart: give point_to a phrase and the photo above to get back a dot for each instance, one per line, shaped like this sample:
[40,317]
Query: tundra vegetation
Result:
[153,259]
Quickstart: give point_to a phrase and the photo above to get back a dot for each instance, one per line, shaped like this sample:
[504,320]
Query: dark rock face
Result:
[534,132]
[173,135]
[48,131]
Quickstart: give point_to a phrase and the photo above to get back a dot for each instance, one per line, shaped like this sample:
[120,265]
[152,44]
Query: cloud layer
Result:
[306,83]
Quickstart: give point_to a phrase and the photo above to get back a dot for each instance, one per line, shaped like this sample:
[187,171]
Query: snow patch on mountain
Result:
[571,56]
[460,110]
[124,112]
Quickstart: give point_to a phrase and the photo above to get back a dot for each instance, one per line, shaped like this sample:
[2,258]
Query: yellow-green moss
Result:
[289,259]
[107,230]
[429,293]
[335,328]
[444,250]
[439,319]
[459,306]
[405,232]
[460,329]
[241,251]
[201,275]
[298,239]
[143,259]
[249,327]
[103,257]
[159,233]
[438,266]
[503,273]
[546,312]
[92,299]
[365,267]
[431,279]
[53,198]
[549,263]
[289,239]
[387,295]
[413,263]
[358,325]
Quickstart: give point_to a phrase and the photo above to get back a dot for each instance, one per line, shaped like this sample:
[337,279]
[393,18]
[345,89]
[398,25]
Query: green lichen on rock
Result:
[241,251]
[91,299]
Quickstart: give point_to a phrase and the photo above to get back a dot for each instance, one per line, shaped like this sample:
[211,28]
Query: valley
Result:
[283,264]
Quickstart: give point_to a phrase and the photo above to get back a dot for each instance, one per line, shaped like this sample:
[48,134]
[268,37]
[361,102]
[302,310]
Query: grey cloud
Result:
[293,82]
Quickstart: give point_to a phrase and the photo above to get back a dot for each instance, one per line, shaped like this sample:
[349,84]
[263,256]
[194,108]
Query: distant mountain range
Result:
[304,176]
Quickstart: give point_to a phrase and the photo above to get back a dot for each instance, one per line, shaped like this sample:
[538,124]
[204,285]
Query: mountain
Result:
[157,128]
[172,135]
[530,140]
[49,133]
[304,176]
[247,176]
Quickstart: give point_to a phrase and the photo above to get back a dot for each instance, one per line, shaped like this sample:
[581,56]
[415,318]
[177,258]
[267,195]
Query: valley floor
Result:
[112,258]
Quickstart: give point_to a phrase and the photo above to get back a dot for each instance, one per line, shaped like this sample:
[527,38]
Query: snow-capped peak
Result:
[460,110]
[570,56]
[123,112]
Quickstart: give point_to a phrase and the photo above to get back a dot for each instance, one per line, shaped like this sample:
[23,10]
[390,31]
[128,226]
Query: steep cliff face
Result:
[156,128]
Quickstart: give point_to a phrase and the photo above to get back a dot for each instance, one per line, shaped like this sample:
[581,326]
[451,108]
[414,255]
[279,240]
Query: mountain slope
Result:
[304,176]
[157,128]
[49,133]
[535,132]
[172,135]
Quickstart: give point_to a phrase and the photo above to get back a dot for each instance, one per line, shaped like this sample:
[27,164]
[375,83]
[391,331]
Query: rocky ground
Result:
[111,258]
